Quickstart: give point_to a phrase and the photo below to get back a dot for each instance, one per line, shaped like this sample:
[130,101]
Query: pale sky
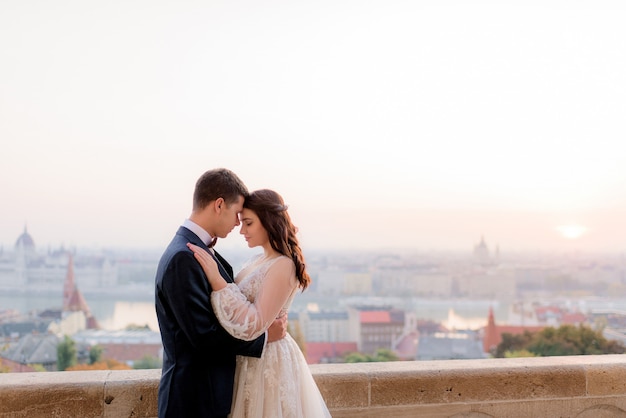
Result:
[404,124]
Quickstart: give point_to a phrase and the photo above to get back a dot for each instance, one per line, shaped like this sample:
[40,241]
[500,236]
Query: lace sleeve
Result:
[247,320]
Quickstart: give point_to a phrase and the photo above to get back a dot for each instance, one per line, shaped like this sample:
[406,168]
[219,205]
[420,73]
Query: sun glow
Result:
[572,231]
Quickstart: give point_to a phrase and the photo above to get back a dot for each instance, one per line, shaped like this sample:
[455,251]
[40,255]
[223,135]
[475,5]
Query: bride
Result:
[279,384]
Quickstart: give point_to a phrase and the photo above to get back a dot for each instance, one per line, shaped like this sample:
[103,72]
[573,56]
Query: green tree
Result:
[382,354]
[66,353]
[385,354]
[95,354]
[357,357]
[38,367]
[518,353]
[148,362]
[567,340]
[512,343]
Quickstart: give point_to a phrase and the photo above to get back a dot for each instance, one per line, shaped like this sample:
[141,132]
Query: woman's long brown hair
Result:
[272,211]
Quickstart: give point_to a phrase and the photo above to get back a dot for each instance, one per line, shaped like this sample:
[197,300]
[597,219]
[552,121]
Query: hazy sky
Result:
[421,124]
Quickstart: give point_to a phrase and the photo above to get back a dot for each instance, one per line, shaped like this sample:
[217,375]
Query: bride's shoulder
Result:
[283,264]
[281,259]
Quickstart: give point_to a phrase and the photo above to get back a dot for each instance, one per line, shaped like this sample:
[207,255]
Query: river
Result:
[111,313]
[114,313]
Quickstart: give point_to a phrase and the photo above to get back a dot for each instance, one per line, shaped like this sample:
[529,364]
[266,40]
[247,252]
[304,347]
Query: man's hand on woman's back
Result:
[278,329]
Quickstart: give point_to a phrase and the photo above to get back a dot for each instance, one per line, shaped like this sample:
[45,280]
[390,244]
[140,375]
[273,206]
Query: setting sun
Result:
[572,231]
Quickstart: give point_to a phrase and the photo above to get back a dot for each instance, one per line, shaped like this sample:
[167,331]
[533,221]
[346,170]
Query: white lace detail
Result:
[279,384]
[236,306]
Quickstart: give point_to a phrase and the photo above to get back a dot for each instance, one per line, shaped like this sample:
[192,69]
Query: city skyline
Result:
[383,125]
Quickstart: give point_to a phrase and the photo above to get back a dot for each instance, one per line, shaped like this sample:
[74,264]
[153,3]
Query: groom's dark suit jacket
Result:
[198,354]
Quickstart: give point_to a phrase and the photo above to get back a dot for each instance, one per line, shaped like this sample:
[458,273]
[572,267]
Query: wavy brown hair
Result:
[272,211]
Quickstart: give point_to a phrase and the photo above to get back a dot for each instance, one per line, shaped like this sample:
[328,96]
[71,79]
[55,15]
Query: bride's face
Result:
[252,229]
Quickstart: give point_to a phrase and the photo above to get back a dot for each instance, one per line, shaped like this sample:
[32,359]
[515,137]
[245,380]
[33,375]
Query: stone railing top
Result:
[543,386]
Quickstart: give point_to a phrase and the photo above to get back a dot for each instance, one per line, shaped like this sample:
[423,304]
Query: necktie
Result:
[212,243]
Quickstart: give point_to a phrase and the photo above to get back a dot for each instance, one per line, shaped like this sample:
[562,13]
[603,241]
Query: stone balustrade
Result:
[576,386]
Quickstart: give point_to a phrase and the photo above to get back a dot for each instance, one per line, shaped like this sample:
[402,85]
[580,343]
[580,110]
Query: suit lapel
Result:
[224,267]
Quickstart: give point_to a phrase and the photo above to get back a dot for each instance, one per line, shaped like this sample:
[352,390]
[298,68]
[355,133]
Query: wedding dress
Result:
[279,384]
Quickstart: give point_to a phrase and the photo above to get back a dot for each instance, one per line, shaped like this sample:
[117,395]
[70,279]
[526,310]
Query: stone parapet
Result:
[576,386]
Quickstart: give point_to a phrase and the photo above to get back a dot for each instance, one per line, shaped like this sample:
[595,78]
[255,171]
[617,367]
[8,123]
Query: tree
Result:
[66,353]
[382,354]
[148,362]
[518,353]
[95,354]
[567,340]
[107,364]
[38,367]
[512,343]
[385,354]
[357,357]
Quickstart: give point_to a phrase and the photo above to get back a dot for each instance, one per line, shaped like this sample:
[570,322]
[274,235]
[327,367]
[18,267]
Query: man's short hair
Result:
[216,183]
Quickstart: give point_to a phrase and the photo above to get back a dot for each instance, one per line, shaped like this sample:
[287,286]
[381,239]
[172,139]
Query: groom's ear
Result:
[219,204]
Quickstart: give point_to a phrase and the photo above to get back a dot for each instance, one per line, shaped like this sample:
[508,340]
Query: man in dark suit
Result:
[198,354]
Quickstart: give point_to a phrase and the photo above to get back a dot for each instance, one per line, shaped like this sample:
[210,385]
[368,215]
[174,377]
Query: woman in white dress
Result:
[279,384]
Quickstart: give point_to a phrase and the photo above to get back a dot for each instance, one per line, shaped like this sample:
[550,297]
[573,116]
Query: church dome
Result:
[25,240]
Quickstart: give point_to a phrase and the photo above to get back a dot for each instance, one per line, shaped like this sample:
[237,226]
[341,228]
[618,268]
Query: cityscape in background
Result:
[418,305]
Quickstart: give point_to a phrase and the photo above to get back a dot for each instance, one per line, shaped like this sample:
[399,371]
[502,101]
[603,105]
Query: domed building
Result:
[481,252]
[483,256]
[25,247]
[25,240]
[28,269]
[25,257]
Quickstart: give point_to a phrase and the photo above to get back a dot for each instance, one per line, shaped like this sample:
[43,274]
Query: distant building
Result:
[8,314]
[15,328]
[127,346]
[492,333]
[326,326]
[10,366]
[413,279]
[330,281]
[481,253]
[27,270]
[406,347]
[357,283]
[34,340]
[328,352]
[485,283]
[34,349]
[483,256]
[450,346]
[73,300]
[382,328]
[538,314]
[328,334]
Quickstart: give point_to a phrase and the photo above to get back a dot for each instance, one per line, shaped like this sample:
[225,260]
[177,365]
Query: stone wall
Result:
[577,386]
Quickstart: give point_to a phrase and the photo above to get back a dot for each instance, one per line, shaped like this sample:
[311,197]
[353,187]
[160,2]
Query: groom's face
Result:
[229,217]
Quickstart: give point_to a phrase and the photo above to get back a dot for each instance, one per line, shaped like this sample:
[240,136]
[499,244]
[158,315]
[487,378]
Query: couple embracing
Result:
[226,351]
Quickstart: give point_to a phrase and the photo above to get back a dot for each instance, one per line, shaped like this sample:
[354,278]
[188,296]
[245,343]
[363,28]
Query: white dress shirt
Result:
[198,230]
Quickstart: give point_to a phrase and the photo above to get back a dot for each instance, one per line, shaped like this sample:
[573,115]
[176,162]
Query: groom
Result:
[198,354]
